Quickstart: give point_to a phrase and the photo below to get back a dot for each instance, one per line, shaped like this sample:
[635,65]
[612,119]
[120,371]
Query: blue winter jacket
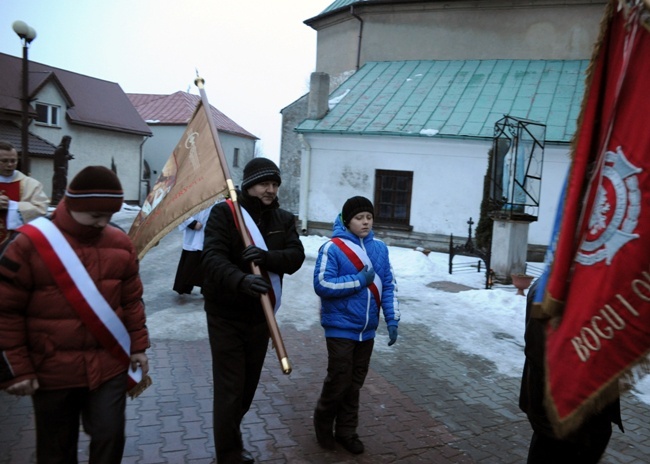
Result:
[348,308]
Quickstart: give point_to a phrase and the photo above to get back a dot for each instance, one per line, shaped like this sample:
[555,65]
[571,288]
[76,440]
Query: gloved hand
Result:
[254,285]
[366,276]
[255,254]
[392,335]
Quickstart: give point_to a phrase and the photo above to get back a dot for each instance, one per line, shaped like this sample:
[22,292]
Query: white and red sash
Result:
[81,292]
[256,237]
[359,259]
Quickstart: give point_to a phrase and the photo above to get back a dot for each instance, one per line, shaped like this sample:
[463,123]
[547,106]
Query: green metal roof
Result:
[339,4]
[460,98]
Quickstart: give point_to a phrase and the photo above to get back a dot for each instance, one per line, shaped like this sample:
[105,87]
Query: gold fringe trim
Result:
[140,387]
[620,383]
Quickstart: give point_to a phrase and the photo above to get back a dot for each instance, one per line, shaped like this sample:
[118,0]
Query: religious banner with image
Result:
[598,290]
[191,180]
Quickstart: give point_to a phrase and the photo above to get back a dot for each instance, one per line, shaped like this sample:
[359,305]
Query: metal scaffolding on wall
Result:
[516,174]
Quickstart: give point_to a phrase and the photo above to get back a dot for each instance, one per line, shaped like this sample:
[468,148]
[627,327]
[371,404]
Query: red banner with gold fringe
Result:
[598,291]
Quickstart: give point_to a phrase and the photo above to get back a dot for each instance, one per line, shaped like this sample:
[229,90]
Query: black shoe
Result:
[247,457]
[324,433]
[351,443]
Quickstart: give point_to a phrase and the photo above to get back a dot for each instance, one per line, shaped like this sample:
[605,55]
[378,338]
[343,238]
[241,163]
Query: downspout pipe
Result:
[305,168]
[140,199]
[360,35]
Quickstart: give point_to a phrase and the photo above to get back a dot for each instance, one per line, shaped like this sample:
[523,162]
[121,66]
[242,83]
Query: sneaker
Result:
[324,433]
[351,443]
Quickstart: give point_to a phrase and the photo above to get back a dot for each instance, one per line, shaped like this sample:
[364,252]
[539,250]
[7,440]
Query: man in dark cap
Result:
[239,334]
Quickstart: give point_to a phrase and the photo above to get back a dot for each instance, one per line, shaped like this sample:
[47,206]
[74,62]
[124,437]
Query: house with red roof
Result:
[167,117]
[104,127]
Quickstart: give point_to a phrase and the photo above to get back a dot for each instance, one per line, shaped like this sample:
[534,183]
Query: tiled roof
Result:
[177,109]
[10,132]
[92,102]
[455,98]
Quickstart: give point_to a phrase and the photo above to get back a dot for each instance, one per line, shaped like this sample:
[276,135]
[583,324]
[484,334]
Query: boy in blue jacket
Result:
[354,279]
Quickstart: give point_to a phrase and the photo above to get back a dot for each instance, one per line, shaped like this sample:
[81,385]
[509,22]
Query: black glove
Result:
[255,254]
[254,285]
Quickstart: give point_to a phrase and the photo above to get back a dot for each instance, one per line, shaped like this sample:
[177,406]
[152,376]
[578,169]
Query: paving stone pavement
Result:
[427,404]
[423,402]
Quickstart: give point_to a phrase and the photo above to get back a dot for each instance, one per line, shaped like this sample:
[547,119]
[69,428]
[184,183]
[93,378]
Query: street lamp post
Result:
[26,34]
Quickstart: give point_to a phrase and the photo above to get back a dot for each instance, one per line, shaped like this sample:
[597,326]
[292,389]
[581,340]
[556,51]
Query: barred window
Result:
[393,191]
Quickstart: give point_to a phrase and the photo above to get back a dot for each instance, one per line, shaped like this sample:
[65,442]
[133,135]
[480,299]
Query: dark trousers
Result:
[238,352]
[102,413]
[347,367]
[544,449]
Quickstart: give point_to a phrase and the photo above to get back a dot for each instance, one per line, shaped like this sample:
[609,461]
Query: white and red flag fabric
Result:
[598,290]
[191,181]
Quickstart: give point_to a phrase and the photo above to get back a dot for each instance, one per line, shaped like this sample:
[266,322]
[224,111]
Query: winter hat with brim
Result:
[260,170]
[95,188]
[354,206]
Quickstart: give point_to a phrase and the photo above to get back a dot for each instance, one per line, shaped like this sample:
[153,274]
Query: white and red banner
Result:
[191,181]
[598,291]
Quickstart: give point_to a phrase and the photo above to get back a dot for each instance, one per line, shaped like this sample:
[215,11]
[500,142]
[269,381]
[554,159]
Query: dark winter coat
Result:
[223,266]
[41,335]
[348,308]
[531,397]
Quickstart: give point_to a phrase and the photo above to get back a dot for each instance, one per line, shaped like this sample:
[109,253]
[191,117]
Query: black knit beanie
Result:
[95,188]
[354,206]
[260,170]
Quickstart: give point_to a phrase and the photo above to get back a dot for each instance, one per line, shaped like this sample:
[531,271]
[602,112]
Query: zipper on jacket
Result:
[368,297]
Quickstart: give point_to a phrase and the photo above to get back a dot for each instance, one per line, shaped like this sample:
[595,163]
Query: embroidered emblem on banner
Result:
[190,144]
[615,213]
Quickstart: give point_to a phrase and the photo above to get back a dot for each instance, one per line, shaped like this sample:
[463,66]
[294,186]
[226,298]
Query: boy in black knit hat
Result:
[72,325]
[354,279]
[239,334]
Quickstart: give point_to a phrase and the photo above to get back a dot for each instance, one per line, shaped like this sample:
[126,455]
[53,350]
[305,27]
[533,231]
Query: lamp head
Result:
[24,31]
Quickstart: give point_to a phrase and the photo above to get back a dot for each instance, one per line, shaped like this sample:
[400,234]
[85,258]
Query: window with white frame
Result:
[47,114]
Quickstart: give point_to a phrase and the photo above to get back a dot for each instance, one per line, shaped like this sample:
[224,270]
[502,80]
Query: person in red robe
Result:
[21,197]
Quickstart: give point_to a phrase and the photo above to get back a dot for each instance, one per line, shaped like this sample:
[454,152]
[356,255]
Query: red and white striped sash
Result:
[359,259]
[81,292]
